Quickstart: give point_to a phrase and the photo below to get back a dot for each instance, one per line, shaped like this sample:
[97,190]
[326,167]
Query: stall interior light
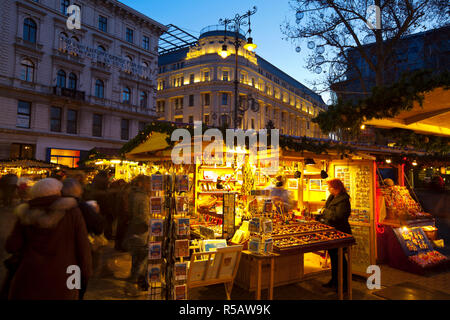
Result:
[309,162]
[99,163]
[414,163]
[363,126]
[388,160]
[115,161]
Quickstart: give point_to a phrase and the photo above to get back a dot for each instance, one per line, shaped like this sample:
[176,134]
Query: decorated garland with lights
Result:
[386,102]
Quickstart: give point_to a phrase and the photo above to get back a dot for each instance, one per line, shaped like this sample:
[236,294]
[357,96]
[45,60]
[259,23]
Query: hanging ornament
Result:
[320,59]
[320,49]
[298,49]
[318,70]
[311,44]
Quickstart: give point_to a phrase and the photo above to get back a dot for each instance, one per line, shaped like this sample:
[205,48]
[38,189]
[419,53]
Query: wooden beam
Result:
[424,116]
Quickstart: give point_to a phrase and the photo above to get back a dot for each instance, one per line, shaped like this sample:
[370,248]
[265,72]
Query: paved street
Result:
[111,283]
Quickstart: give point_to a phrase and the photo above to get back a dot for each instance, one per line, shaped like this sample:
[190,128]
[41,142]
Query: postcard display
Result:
[168,237]
[358,180]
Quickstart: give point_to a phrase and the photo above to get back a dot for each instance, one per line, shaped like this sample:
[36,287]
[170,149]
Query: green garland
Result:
[384,102]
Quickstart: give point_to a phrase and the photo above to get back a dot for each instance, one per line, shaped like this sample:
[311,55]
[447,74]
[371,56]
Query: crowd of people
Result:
[66,222]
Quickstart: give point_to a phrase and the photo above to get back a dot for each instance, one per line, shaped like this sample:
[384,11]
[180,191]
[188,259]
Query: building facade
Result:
[196,84]
[64,91]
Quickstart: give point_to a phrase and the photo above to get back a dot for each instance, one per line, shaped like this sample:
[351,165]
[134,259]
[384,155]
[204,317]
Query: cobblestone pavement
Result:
[111,283]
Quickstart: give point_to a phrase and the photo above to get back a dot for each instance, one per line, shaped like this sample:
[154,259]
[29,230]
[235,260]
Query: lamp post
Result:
[237,21]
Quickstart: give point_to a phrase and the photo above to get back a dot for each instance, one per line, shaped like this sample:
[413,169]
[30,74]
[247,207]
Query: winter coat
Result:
[139,209]
[337,211]
[95,223]
[50,234]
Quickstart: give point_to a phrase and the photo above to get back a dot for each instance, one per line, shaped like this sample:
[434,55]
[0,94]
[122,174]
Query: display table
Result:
[288,266]
[259,259]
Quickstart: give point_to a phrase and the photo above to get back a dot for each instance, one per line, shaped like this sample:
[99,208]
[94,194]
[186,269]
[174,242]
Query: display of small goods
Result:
[182,204]
[182,183]
[414,240]
[212,186]
[307,239]
[180,292]
[180,271]
[154,250]
[156,227]
[400,204]
[181,248]
[154,273]
[361,251]
[343,173]
[156,205]
[229,205]
[283,230]
[182,226]
[428,259]
[157,182]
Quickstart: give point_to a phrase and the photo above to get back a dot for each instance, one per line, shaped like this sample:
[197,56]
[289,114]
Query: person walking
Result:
[336,212]
[99,192]
[136,237]
[49,236]
[122,214]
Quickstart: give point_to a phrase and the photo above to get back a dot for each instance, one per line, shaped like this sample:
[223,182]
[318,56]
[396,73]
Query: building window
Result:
[72,117]
[253,82]
[97,125]
[124,129]
[160,106]
[224,98]
[191,100]
[29,30]
[206,76]
[23,114]
[68,158]
[64,6]
[61,79]
[27,73]
[191,119]
[253,123]
[224,120]
[206,118]
[225,76]
[207,99]
[55,119]
[129,35]
[99,89]
[103,23]
[146,43]
[72,81]
[178,103]
[22,151]
[143,99]
[126,95]
[179,119]
[191,78]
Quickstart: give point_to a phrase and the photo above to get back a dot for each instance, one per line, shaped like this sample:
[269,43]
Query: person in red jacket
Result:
[50,238]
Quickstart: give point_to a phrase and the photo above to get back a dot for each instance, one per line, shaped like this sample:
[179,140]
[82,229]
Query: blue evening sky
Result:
[193,15]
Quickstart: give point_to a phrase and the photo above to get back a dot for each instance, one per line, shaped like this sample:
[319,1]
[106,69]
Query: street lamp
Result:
[237,21]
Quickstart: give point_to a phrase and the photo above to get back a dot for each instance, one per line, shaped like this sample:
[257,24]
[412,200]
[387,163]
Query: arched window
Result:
[101,48]
[72,81]
[143,99]
[27,73]
[61,79]
[29,30]
[99,89]
[126,94]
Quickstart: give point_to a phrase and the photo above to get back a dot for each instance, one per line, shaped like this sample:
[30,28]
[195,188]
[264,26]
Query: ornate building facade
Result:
[64,91]
[196,84]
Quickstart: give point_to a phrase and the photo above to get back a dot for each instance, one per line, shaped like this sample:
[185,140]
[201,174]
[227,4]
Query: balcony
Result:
[69,93]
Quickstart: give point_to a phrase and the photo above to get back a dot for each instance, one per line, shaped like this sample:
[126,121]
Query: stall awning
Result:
[432,118]
[156,141]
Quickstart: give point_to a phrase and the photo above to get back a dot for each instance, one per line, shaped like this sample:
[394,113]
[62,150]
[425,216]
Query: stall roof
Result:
[30,163]
[431,118]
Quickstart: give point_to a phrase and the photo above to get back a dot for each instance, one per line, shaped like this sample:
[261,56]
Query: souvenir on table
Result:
[254,245]
[213,245]
[154,272]
[154,250]
[255,225]
[181,248]
[180,292]
[267,226]
[267,206]
[155,205]
[182,226]
[180,271]
[156,227]
[157,182]
[182,183]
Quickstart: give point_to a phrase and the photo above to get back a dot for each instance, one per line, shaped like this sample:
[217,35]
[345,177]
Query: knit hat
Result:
[45,188]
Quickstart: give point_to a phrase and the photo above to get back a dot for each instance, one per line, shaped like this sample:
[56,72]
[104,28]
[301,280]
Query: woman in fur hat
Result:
[50,236]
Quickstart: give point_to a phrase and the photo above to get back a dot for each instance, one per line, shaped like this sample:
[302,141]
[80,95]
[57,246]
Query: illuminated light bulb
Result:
[414,163]
[250,46]
[388,160]
[224,52]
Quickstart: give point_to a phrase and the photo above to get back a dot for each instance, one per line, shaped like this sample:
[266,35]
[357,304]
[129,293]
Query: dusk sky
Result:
[193,15]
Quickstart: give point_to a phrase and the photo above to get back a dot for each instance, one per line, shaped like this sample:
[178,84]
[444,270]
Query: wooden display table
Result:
[259,258]
[287,267]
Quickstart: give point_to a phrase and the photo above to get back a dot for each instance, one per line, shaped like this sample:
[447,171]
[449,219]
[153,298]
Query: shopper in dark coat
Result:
[336,212]
[50,235]
[99,192]
[122,214]
[9,188]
